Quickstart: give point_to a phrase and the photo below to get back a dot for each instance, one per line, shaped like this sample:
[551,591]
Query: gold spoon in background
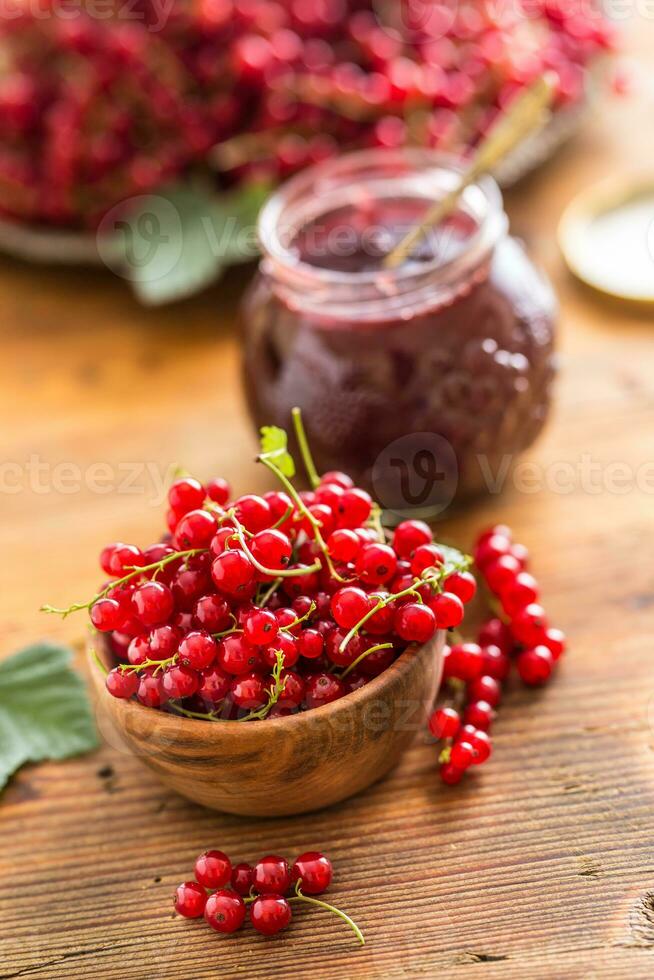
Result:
[527,114]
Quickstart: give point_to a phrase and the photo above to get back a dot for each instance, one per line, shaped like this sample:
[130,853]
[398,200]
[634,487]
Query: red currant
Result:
[190,900]
[376,564]
[415,623]
[249,691]
[214,685]
[185,495]
[461,584]
[242,879]
[271,548]
[315,871]
[233,573]
[322,689]
[465,661]
[272,875]
[198,650]
[529,625]
[151,692]
[122,684]
[260,627]
[480,714]
[426,556]
[448,610]
[270,914]
[535,666]
[253,512]
[354,508]
[485,688]
[196,529]
[180,682]
[219,491]
[225,911]
[444,723]
[237,656]
[344,545]
[519,593]
[349,605]
[212,613]
[213,869]
[152,603]
[410,535]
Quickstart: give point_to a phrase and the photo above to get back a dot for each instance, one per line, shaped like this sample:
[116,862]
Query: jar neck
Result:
[348,199]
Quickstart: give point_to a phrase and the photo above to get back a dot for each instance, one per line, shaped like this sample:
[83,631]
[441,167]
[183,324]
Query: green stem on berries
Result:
[210,716]
[283,518]
[267,596]
[274,692]
[157,664]
[97,661]
[301,897]
[300,619]
[305,452]
[301,506]
[376,524]
[362,656]
[456,700]
[272,572]
[134,573]
[233,629]
[411,590]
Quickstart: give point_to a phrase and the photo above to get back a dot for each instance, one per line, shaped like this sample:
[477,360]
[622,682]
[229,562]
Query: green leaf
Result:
[455,560]
[178,241]
[274,446]
[44,710]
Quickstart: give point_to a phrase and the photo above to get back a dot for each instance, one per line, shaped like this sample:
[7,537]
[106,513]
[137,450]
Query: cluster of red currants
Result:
[474,672]
[95,110]
[262,606]
[263,888]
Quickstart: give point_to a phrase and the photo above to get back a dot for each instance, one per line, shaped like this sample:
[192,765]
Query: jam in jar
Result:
[425,381]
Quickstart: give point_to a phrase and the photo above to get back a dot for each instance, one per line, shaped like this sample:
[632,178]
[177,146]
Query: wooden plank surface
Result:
[540,866]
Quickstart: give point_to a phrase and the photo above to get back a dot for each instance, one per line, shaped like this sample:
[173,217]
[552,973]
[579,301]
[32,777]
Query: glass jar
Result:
[425,381]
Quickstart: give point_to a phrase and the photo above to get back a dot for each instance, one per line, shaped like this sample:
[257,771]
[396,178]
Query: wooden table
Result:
[540,866]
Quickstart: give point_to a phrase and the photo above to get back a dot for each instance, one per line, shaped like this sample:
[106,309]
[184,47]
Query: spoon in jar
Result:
[527,113]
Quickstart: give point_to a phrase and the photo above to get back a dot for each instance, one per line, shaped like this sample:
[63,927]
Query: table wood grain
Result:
[539,866]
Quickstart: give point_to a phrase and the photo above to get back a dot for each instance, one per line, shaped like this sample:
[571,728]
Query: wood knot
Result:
[641,921]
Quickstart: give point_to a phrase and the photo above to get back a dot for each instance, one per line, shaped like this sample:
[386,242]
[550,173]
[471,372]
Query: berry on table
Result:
[269,914]
[272,874]
[535,666]
[190,900]
[213,869]
[225,911]
[444,723]
[242,878]
[315,872]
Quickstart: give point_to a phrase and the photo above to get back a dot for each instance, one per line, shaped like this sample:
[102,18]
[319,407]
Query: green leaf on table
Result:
[44,709]
[274,446]
[180,240]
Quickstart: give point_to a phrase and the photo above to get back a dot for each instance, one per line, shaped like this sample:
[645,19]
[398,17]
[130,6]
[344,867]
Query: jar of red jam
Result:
[425,381]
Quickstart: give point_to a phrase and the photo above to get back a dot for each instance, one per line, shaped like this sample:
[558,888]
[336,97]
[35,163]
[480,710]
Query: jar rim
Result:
[340,172]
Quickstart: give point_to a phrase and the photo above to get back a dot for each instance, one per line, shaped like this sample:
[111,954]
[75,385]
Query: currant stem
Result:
[267,596]
[315,524]
[157,664]
[274,692]
[301,897]
[305,452]
[380,605]
[98,662]
[210,716]
[362,656]
[272,572]
[136,571]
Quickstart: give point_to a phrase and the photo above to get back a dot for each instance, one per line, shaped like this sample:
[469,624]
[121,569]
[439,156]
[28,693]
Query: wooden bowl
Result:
[283,766]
